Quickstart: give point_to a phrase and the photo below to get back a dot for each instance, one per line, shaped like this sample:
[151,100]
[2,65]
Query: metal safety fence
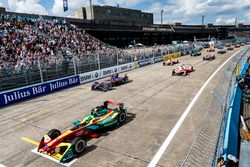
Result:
[208,143]
[71,63]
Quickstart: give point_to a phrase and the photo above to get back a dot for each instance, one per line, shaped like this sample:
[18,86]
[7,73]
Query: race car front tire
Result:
[79,145]
[122,117]
[54,133]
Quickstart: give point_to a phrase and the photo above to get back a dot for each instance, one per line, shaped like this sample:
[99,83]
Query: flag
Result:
[65,5]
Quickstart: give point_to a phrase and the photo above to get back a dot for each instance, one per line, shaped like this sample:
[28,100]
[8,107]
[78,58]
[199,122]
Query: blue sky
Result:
[185,11]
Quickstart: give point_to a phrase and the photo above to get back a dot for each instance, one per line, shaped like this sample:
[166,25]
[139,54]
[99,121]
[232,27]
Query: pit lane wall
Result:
[231,134]
[29,92]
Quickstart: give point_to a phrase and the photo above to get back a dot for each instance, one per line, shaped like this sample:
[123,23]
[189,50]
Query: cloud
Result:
[225,20]
[124,3]
[26,6]
[190,11]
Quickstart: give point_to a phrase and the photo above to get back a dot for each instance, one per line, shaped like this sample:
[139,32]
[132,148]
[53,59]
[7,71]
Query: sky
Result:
[184,11]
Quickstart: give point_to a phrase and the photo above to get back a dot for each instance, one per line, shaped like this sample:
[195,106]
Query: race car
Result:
[209,57]
[104,116]
[222,51]
[182,70]
[116,80]
[196,54]
[103,86]
[211,50]
[230,48]
[237,46]
[170,62]
[65,146]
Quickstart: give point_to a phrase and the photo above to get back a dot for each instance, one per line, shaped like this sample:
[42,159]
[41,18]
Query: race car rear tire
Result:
[54,133]
[192,68]
[122,117]
[125,79]
[79,145]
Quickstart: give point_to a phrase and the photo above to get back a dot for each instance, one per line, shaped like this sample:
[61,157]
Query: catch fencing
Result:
[208,144]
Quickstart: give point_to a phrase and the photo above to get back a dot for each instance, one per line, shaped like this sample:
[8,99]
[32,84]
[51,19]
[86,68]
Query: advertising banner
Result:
[17,95]
[144,62]
[158,59]
[173,55]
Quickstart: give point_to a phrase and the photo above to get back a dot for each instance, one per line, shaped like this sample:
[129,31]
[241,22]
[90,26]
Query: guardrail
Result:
[208,143]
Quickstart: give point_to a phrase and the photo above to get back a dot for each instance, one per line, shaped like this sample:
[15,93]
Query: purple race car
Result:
[103,86]
[116,80]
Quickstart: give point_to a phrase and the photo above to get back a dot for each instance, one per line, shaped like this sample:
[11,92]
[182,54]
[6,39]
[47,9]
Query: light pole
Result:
[202,20]
[91,9]
[162,16]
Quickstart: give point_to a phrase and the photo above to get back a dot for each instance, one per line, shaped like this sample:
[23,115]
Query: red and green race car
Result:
[109,114]
[71,143]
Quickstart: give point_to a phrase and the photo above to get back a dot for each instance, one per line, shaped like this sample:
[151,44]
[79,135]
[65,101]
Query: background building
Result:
[116,15]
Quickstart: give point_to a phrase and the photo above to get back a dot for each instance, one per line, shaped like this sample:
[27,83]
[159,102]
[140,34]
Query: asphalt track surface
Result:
[155,102]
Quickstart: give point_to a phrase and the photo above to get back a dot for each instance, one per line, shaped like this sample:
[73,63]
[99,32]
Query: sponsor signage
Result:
[144,62]
[126,67]
[109,71]
[158,59]
[25,93]
[173,55]
[89,76]
[94,75]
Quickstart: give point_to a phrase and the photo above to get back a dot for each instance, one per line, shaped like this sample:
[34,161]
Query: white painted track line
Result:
[53,159]
[171,135]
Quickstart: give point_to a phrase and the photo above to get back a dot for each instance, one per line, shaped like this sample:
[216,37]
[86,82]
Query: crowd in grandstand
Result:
[27,44]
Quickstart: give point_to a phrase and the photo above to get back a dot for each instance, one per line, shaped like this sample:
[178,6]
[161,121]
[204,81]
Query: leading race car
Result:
[222,51]
[209,57]
[104,116]
[170,62]
[103,86]
[116,80]
[183,70]
[65,146]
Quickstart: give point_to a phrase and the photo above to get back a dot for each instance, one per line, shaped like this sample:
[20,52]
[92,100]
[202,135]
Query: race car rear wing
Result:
[113,102]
